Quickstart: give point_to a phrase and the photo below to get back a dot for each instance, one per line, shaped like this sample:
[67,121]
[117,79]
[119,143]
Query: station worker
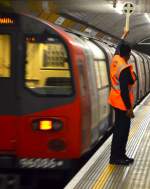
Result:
[121,98]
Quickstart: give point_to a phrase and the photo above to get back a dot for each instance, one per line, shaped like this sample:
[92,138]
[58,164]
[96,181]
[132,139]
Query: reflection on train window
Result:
[82,78]
[141,66]
[98,78]
[103,73]
[47,68]
[112,50]
[99,64]
[132,61]
[4,56]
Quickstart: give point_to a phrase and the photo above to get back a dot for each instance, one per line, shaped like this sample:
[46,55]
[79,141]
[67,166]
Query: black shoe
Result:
[130,160]
[122,161]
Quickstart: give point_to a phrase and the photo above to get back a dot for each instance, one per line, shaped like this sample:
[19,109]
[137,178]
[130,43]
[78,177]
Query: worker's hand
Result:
[125,33]
[130,113]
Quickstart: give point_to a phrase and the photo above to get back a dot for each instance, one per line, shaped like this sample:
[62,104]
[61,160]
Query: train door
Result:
[92,91]
[140,82]
[136,86]
[148,63]
[8,102]
[102,87]
[146,70]
[143,75]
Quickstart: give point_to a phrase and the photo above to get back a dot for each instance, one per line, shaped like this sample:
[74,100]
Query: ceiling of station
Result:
[106,15]
[103,15]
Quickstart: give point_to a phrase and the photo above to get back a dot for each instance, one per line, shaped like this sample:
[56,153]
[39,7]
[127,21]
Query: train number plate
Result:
[44,163]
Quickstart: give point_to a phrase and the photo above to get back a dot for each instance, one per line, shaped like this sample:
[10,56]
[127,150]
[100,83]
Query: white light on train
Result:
[147,16]
[51,39]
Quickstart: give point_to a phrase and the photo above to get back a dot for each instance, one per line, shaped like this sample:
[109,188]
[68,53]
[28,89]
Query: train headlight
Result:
[47,125]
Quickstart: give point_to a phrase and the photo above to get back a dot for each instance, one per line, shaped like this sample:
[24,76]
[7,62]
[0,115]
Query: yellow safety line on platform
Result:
[133,131]
[103,178]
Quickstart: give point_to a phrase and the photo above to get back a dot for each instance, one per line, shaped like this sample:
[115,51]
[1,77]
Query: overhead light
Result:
[147,16]
[45,6]
[119,8]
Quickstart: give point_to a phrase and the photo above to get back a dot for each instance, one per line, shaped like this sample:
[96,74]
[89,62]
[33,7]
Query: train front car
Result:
[40,112]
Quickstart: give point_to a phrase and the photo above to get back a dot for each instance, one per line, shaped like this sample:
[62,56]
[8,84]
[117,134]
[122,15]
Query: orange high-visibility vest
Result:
[117,66]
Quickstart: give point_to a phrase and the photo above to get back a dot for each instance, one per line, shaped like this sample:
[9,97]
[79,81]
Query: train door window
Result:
[47,70]
[142,74]
[5,49]
[142,66]
[148,62]
[132,61]
[98,78]
[112,50]
[103,73]
[82,78]
[100,65]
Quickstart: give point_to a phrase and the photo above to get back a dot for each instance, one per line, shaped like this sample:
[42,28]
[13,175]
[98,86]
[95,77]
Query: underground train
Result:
[54,92]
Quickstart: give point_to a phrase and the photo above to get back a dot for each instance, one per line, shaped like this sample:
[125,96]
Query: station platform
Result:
[97,173]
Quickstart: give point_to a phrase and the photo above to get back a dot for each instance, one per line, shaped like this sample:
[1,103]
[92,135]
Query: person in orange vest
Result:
[121,99]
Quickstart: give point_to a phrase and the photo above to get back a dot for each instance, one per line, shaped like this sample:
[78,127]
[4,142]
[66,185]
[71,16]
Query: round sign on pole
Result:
[128,8]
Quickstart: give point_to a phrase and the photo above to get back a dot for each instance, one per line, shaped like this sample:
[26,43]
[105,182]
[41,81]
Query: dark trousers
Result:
[120,134]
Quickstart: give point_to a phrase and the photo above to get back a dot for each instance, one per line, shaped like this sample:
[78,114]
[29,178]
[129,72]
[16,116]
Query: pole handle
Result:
[127,22]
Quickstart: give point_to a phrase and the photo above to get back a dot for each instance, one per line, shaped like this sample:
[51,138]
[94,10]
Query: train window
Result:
[100,65]
[103,73]
[132,61]
[141,66]
[81,76]
[47,69]
[97,52]
[5,55]
[112,50]
[98,78]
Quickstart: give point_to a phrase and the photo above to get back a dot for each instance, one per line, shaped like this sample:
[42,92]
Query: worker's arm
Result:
[124,80]
[121,42]
[125,33]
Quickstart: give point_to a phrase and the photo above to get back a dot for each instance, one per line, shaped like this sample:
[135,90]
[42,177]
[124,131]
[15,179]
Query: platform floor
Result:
[97,173]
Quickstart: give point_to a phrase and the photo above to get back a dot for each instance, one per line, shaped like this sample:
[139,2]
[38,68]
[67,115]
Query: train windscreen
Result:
[47,67]
[5,56]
